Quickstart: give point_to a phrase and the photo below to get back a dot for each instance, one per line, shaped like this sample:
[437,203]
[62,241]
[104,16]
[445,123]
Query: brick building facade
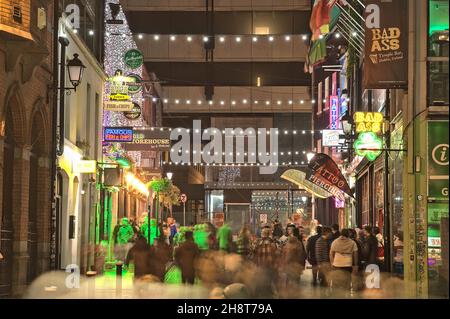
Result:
[25,146]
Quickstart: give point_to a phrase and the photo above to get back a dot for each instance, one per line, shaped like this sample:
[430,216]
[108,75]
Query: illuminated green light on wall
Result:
[369,145]
[438,16]
[123,162]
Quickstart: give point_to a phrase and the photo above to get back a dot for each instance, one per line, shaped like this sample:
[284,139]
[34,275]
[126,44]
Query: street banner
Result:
[386,44]
[149,140]
[438,159]
[324,172]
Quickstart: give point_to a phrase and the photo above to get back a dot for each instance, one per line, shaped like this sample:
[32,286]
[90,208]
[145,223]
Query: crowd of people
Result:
[278,256]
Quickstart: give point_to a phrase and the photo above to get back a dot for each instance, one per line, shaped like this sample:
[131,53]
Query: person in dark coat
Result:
[185,257]
[160,256]
[140,255]
[369,248]
[311,253]
[335,233]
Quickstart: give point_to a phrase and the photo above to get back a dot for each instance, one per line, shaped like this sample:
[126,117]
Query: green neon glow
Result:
[368,140]
[438,16]
[123,162]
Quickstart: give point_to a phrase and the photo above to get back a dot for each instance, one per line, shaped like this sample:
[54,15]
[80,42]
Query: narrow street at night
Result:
[194,150]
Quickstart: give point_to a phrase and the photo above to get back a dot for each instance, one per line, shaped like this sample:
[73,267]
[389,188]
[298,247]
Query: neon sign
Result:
[334,112]
[118,134]
[369,145]
[368,122]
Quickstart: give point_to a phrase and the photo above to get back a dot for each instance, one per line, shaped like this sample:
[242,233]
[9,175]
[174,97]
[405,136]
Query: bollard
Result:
[119,266]
[91,283]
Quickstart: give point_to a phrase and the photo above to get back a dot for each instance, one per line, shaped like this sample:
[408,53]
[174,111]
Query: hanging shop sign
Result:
[134,58]
[334,112]
[118,134]
[134,113]
[118,87]
[134,89]
[85,167]
[149,140]
[386,45]
[438,159]
[368,122]
[299,178]
[332,138]
[118,106]
[324,171]
[369,145]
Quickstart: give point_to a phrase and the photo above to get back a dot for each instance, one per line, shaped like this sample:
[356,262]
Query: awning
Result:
[299,178]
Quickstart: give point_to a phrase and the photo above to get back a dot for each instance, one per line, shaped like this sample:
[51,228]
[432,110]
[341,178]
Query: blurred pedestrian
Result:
[277,230]
[292,262]
[322,248]
[243,242]
[185,257]
[266,257]
[123,235]
[225,238]
[369,248]
[344,260]
[335,232]
[141,257]
[311,253]
[160,256]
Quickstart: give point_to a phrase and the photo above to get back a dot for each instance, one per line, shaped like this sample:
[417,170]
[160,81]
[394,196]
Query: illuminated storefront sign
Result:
[368,122]
[334,112]
[85,167]
[134,113]
[332,138]
[118,106]
[369,145]
[149,140]
[118,134]
[119,90]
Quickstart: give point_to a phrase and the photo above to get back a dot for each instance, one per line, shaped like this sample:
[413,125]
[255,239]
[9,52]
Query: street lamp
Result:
[310,156]
[169,175]
[75,69]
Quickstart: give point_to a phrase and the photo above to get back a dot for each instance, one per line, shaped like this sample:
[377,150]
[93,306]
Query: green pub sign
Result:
[438,158]
[133,58]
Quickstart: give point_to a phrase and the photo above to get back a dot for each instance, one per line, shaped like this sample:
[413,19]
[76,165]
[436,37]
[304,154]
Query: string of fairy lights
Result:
[208,38]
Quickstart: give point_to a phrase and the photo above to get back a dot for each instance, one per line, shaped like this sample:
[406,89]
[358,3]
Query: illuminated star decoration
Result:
[369,145]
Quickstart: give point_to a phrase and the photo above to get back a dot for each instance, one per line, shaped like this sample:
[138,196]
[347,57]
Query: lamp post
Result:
[75,70]
[169,177]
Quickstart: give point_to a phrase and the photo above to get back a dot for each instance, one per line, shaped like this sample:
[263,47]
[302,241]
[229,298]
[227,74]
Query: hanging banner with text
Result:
[149,140]
[325,173]
[386,44]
